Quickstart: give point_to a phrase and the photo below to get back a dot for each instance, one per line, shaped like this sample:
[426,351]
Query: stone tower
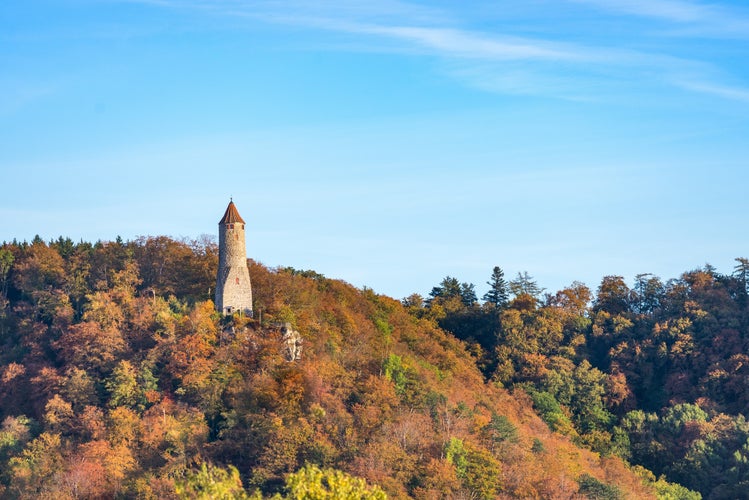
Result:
[233,288]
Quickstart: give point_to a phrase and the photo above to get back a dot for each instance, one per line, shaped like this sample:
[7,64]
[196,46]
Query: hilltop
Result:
[120,379]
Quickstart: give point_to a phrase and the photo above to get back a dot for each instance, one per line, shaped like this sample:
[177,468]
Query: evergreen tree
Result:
[497,293]
[741,272]
[449,287]
[6,262]
[524,284]
[468,294]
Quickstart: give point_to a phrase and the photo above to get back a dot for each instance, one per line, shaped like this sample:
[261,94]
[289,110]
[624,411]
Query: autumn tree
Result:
[573,299]
[211,482]
[39,269]
[311,482]
[185,268]
[123,386]
[37,469]
[613,296]
[98,469]
[15,432]
[90,346]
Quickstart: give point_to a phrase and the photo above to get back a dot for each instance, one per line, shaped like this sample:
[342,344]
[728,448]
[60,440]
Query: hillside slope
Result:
[118,379]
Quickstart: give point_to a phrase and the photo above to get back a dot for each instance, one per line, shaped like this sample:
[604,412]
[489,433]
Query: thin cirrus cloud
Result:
[502,63]
[465,44]
[526,66]
[724,91]
[687,18]
[668,10]
[517,65]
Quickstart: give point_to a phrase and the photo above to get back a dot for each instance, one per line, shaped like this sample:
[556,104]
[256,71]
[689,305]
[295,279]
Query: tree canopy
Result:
[120,380]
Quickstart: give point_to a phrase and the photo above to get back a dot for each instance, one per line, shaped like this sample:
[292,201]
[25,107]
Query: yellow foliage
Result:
[313,483]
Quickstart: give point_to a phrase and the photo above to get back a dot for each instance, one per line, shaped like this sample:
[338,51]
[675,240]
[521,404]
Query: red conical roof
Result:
[231,215]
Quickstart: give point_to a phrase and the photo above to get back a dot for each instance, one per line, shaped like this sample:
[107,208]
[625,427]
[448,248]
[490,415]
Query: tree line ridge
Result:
[119,379]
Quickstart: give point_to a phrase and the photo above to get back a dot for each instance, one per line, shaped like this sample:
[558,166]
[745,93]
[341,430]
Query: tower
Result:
[233,288]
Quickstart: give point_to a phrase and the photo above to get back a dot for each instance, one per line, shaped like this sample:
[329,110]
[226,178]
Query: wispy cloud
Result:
[302,10]
[414,25]
[691,18]
[476,45]
[670,10]
[457,43]
[502,62]
[724,91]
[529,66]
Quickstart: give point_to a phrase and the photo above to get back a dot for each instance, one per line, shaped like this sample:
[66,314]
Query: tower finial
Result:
[231,215]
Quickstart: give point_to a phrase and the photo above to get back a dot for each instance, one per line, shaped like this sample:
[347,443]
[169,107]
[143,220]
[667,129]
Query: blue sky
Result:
[384,142]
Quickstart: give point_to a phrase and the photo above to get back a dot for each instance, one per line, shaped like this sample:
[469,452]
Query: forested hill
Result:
[118,379]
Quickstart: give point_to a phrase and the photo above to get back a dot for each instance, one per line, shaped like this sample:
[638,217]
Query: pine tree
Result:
[449,287]
[468,294]
[741,272]
[497,293]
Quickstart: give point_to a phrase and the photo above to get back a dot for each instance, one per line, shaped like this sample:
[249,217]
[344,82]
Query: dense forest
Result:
[119,380]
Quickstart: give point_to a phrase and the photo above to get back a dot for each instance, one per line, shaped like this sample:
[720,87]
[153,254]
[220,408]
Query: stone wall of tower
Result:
[233,287]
